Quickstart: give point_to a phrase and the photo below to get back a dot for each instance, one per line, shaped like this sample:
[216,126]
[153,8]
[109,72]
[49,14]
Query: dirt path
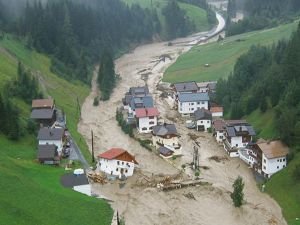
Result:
[138,205]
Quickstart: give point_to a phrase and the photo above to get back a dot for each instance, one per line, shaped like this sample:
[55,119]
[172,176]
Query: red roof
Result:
[146,112]
[112,153]
[119,154]
[219,125]
[216,109]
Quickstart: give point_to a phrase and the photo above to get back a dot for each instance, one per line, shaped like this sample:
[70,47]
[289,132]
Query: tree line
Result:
[260,14]
[267,78]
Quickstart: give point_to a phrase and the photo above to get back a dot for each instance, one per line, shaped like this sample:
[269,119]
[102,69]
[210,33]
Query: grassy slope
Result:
[286,192]
[31,193]
[221,56]
[65,93]
[196,14]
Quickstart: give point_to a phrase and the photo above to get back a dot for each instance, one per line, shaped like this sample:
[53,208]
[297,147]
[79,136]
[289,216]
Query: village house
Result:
[188,103]
[166,139]
[216,111]
[43,117]
[202,87]
[78,182]
[117,162]
[270,156]
[47,154]
[134,92]
[184,87]
[237,135]
[218,129]
[202,119]
[146,119]
[42,104]
[52,136]
[139,102]
[211,87]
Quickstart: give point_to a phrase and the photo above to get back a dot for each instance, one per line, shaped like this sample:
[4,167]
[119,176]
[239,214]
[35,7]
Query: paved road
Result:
[76,154]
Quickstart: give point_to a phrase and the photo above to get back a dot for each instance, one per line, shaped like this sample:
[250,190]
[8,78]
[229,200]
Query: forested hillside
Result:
[260,14]
[265,86]
[267,78]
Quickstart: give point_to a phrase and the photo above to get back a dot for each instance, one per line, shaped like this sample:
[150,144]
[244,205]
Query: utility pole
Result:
[93,156]
[196,158]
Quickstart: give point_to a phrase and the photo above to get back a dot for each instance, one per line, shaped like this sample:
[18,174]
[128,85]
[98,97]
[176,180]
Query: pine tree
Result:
[237,195]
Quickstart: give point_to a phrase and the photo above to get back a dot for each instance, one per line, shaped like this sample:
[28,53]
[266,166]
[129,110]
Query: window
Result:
[277,167]
[264,167]
[144,128]
[198,103]
[277,160]
[126,171]
[236,145]
[118,162]
[202,103]
[283,166]
[280,160]
[151,122]
[99,163]
[151,117]
[122,163]
[207,121]
[201,121]
[283,160]
[265,161]
[117,169]
[221,137]
[192,103]
[192,109]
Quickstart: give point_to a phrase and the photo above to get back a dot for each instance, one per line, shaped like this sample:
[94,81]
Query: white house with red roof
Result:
[146,119]
[117,162]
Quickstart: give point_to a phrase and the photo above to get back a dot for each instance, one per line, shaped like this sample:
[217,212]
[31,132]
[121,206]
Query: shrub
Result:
[96,101]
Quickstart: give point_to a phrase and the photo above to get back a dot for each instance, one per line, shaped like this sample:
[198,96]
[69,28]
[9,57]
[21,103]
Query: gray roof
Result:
[232,130]
[162,130]
[165,151]
[46,133]
[202,114]
[71,180]
[42,114]
[186,86]
[139,91]
[144,102]
[47,151]
[212,86]
[193,97]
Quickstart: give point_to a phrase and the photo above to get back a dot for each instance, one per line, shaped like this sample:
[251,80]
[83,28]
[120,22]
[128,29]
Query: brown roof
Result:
[216,109]
[273,149]
[42,103]
[219,125]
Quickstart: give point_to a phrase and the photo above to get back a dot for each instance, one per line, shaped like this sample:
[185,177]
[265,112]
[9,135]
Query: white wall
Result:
[205,123]
[59,144]
[237,142]
[271,166]
[112,167]
[174,141]
[203,89]
[220,136]
[191,107]
[217,114]
[147,123]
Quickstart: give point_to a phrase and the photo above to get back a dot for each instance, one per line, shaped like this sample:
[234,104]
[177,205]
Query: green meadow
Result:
[221,56]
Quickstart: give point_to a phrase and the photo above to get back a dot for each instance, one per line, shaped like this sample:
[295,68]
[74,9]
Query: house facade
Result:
[47,154]
[146,119]
[166,136]
[238,134]
[188,103]
[218,129]
[271,157]
[117,162]
[216,111]
[52,136]
[203,119]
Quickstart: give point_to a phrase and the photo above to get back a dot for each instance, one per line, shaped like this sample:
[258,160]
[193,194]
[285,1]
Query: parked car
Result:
[66,152]
[190,124]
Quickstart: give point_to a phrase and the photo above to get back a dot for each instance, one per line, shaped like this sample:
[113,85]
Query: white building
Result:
[188,103]
[238,135]
[272,156]
[53,136]
[216,111]
[203,119]
[166,136]
[219,128]
[117,162]
[146,119]
[185,87]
